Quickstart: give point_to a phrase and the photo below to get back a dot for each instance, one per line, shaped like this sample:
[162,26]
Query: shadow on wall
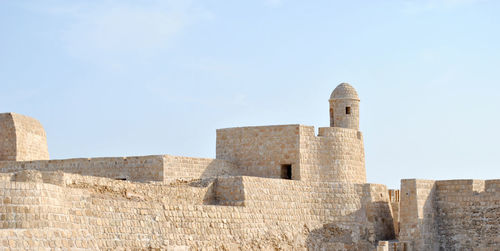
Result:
[360,230]
[428,227]
[379,215]
[340,236]
[209,198]
[218,168]
[418,214]
[222,191]
[378,212]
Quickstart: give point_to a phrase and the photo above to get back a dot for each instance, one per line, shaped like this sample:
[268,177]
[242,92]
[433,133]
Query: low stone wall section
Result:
[175,167]
[144,168]
[277,214]
[164,168]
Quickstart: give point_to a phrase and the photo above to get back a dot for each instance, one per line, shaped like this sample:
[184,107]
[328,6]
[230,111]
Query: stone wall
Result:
[229,191]
[261,150]
[336,154]
[468,214]
[33,205]
[22,138]
[417,214]
[84,212]
[379,211]
[450,215]
[196,168]
[394,196]
[144,168]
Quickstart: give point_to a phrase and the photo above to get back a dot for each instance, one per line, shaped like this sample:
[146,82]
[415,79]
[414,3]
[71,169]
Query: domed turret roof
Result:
[344,91]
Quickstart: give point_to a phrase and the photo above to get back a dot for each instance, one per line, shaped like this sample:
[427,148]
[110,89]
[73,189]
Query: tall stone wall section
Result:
[22,138]
[336,154]
[261,150]
[417,214]
[451,214]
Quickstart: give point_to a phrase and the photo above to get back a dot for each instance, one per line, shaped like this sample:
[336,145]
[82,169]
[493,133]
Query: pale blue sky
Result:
[119,78]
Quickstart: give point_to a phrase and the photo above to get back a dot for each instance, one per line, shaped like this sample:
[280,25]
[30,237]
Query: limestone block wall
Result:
[144,168]
[195,168]
[261,150]
[379,211]
[32,205]
[336,154]
[229,191]
[22,138]
[468,214]
[85,212]
[451,214]
[362,209]
[101,213]
[46,239]
[417,214]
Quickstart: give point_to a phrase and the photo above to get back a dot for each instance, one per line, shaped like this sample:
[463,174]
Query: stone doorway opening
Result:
[286,171]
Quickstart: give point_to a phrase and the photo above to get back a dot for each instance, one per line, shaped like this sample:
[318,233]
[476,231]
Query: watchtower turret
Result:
[344,107]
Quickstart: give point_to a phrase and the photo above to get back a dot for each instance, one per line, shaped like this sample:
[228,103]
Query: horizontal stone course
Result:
[139,216]
[450,214]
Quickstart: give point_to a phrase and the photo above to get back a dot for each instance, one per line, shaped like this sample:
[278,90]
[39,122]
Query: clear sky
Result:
[121,78]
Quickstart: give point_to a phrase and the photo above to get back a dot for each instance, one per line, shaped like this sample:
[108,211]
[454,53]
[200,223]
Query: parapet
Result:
[22,138]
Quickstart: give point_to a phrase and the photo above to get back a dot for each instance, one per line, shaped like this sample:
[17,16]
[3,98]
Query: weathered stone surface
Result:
[450,214]
[270,188]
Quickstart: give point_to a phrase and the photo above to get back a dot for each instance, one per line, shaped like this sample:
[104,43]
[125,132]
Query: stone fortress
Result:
[270,188]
